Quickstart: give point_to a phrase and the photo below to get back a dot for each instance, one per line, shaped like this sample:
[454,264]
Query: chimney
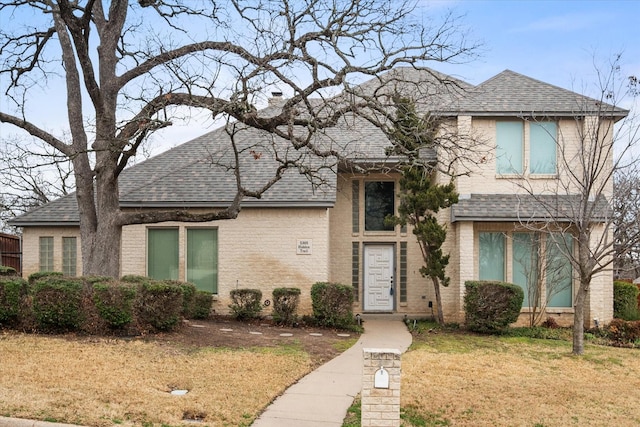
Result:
[276,98]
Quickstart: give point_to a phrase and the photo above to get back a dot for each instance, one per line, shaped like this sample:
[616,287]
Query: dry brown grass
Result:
[102,382]
[465,380]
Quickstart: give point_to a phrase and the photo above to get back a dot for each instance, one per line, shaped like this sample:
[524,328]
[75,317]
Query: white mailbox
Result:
[381,378]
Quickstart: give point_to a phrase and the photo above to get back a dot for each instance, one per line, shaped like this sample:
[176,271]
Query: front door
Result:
[378,278]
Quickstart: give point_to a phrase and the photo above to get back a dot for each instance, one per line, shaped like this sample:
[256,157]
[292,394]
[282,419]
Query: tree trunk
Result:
[436,288]
[101,243]
[578,320]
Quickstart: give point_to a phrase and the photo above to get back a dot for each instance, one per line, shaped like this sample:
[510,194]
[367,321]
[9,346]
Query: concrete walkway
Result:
[321,398]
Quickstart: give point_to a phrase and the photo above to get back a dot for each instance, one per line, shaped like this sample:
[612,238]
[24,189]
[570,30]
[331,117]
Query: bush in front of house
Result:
[57,302]
[40,274]
[246,303]
[5,270]
[188,296]
[202,302]
[12,291]
[491,307]
[285,305]
[158,305]
[623,331]
[625,301]
[114,302]
[332,304]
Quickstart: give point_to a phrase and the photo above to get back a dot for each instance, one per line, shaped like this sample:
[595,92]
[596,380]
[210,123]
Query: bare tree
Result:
[626,210]
[578,205]
[32,174]
[130,68]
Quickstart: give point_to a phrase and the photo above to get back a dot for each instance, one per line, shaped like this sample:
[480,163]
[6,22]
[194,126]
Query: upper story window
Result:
[379,202]
[513,151]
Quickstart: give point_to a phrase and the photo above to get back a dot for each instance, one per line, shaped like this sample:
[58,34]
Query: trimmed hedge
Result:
[5,270]
[57,302]
[202,303]
[625,301]
[491,306]
[12,290]
[159,305]
[246,303]
[40,274]
[285,305]
[332,304]
[114,302]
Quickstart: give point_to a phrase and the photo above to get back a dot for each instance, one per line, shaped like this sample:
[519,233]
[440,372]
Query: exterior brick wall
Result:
[31,247]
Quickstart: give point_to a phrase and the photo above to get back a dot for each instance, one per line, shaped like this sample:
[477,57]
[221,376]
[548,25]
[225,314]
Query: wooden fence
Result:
[10,251]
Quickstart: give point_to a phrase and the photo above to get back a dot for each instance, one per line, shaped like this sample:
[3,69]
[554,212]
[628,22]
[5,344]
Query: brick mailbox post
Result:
[381,387]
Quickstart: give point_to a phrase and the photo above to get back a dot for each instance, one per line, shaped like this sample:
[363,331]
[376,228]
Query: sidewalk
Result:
[321,398]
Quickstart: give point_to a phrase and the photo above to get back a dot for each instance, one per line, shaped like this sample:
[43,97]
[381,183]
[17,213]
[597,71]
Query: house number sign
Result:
[304,247]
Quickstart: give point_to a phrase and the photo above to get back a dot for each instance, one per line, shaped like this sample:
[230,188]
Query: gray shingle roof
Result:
[522,208]
[193,174]
[513,94]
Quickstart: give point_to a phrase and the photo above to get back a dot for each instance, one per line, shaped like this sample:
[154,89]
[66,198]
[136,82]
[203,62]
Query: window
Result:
[202,258]
[492,255]
[559,271]
[46,253]
[525,266]
[543,148]
[510,143]
[162,253]
[538,265]
[69,256]
[379,203]
[509,147]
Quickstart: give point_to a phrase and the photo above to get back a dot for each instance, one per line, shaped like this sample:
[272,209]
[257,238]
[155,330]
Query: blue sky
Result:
[553,41]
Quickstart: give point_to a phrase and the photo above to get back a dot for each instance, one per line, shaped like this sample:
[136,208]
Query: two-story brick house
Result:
[298,234]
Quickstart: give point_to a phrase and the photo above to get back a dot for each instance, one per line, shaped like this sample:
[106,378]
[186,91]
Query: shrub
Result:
[491,306]
[188,296]
[114,302]
[285,305]
[12,290]
[623,331]
[625,301]
[158,305]
[202,303]
[134,278]
[57,302]
[40,274]
[332,304]
[5,270]
[246,303]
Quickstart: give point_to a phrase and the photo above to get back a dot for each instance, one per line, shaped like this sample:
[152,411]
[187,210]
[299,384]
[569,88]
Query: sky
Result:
[553,41]
[557,42]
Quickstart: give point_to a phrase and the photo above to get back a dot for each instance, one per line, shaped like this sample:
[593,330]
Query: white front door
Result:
[379,288]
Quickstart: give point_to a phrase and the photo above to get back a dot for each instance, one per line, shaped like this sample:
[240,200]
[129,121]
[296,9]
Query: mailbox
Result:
[381,378]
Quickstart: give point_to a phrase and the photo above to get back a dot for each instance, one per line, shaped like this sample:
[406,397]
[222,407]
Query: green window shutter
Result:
[543,148]
[559,271]
[379,202]
[69,256]
[162,253]
[46,253]
[202,258]
[355,206]
[355,269]
[492,256]
[525,266]
[509,151]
